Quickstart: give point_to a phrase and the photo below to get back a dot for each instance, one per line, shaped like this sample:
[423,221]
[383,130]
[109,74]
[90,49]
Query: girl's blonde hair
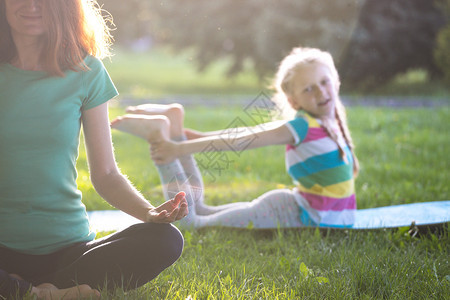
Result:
[75,28]
[285,87]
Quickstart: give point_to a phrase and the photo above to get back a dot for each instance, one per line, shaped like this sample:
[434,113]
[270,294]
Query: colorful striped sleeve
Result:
[298,128]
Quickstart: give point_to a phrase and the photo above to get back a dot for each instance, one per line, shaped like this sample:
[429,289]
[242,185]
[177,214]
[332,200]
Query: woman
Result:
[51,82]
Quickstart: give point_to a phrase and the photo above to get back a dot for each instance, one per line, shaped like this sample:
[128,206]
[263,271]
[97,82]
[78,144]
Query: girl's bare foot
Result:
[174,112]
[150,128]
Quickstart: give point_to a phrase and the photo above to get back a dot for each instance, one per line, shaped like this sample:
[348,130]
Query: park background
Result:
[217,58]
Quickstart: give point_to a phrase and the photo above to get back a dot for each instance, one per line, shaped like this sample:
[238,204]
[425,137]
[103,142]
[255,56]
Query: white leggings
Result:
[273,209]
[277,208]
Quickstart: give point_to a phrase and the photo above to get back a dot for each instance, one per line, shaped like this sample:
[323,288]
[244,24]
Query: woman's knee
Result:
[173,242]
[167,240]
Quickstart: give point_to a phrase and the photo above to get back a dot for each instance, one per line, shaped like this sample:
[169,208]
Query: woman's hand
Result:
[170,211]
[164,151]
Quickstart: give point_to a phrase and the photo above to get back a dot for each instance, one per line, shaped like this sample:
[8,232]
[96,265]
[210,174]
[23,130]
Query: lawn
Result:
[159,72]
[404,159]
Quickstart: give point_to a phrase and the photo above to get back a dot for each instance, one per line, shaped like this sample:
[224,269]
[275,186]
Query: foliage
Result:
[384,36]
[392,37]
[260,31]
[442,50]
[131,19]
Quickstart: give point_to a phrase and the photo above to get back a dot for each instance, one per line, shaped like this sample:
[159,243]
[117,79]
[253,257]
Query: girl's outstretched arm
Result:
[238,139]
[195,134]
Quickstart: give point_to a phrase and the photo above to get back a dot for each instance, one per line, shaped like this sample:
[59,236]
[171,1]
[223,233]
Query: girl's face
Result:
[25,17]
[315,90]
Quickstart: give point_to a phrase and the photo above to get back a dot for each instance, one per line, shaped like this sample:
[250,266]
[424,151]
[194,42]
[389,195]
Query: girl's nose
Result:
[322,92]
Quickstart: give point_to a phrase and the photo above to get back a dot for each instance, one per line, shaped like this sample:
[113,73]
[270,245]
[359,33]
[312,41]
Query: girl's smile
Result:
[324,102]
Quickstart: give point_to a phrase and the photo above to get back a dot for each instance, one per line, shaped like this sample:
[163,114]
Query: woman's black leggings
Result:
[127,259]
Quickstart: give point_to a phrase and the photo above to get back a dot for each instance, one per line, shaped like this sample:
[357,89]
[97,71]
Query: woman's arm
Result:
[108,180]
[274,133]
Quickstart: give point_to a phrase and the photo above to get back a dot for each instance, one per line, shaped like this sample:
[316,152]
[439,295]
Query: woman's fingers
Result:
[170,211]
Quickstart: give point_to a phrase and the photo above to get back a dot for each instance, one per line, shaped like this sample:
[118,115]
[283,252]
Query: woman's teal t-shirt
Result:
[40,119]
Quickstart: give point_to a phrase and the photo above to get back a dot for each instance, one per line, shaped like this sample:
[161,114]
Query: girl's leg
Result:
[175,116]
[126,259]
[173,112]
[154,128]
[274,209]
[194,176]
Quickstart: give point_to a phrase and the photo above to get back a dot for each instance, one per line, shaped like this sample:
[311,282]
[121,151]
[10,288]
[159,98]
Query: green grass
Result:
[162,73]
[404,159]
[415,83]
[159,72]
[227,264]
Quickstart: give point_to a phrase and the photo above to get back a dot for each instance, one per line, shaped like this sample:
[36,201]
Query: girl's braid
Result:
[332,134]
[342,122]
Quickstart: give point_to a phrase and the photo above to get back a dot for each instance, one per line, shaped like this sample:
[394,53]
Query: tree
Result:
[392,37]
[261,31]
[442,50]
[370,40]
[132,19]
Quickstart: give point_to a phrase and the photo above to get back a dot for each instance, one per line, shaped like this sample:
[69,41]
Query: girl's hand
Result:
[192,134]
[163,151]
[170,211]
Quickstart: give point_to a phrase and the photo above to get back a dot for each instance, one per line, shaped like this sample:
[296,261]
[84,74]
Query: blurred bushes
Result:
[393,37]
[371,40]
[442,50]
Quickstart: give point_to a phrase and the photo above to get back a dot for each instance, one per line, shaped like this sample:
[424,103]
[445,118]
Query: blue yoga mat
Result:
[424,213]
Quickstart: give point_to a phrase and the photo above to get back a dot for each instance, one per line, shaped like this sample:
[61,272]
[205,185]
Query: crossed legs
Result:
[127,259]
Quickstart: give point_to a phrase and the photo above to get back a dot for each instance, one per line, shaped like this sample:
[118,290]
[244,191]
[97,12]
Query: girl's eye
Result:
[325,82]
[308,89]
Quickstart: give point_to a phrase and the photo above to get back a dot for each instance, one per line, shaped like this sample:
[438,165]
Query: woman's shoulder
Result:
[93,63]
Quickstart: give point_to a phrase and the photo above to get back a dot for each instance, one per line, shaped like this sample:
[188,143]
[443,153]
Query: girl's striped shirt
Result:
[326,192]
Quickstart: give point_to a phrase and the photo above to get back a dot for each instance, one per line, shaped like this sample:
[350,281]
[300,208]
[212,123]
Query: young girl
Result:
[51,82]
[319,152]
